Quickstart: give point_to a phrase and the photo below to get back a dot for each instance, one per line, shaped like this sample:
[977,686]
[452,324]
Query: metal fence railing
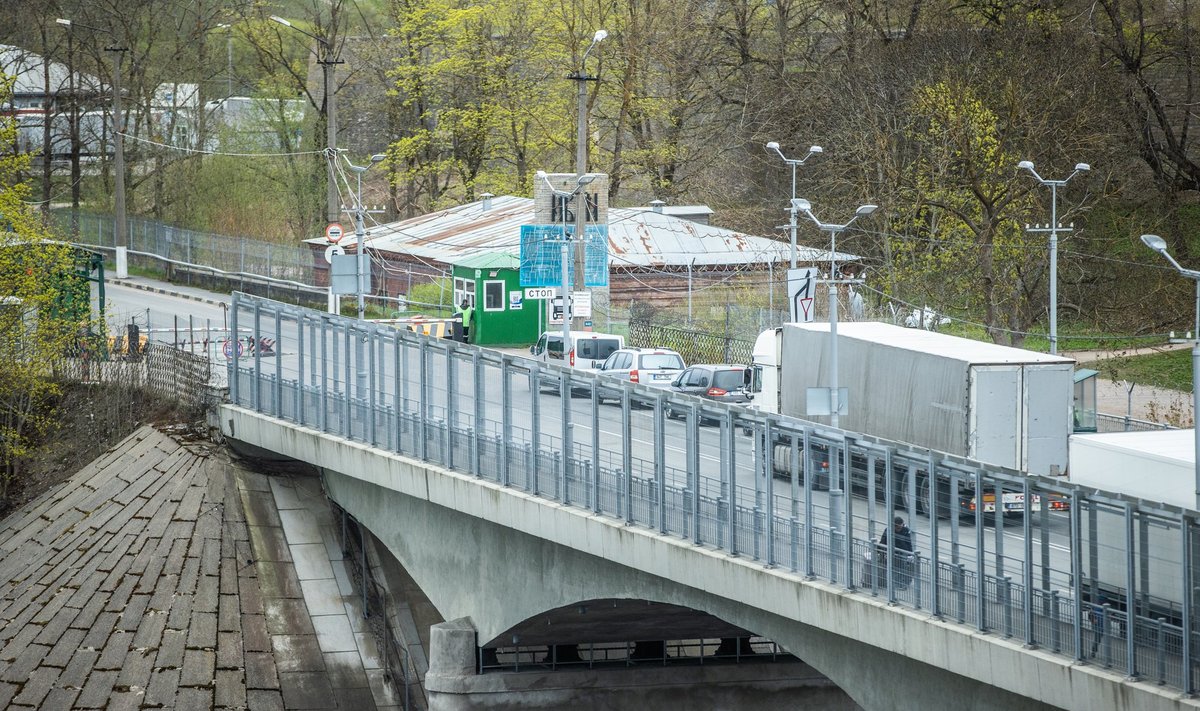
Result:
[1042,577]
[694,346]
[1120,423]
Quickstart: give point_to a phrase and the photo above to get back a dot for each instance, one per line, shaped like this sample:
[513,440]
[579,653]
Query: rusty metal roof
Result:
[637,238]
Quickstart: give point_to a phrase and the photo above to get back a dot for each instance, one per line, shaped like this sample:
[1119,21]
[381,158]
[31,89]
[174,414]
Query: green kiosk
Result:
[491,282]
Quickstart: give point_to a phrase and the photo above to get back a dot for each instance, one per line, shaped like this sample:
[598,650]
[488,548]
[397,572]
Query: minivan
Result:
[588,348]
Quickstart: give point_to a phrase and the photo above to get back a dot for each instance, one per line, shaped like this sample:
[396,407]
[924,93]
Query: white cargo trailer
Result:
[1159,465]
[995,404]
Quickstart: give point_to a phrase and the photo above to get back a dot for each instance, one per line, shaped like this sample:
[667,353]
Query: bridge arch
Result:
[444,550]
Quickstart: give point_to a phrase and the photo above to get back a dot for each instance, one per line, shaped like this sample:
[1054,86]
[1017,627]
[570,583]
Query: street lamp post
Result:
[793,162]
[835,405]
[581,166]
[1158,244]
[1053,228]
[565,199]
[228,58]
[120,232]
[327,61]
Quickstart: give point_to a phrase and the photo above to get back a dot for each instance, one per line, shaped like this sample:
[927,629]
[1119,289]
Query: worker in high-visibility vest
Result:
[466,312]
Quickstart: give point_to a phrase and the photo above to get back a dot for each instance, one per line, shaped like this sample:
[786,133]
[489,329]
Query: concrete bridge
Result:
[654,530]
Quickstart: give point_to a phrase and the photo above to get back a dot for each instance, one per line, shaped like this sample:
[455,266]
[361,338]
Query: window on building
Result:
[493,296]
[464,289]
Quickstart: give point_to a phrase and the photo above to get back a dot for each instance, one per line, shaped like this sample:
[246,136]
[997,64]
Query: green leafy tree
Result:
[35,328]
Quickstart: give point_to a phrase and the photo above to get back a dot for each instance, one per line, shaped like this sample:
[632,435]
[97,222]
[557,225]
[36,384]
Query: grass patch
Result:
[1171,370]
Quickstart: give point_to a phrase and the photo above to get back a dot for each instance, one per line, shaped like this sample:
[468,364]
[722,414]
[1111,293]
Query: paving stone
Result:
[79,668]
[112,656]
[40,681]
[358,698]
[193,699]
[190,575]
[264,700]
[54,629]
[125,700]
[260,508]
[202,632]
[131,618]
[91,610]
[306,690]
[230,689]
[311,561]
[181,612]
[164,592]
[229,614]
[7,691]
[198,668]
[122,594]
[23,665]
[334,633]
[58,698]
[97,690]
[278,580]
[297,653]
[254,634]
[385,693]
[345,670]
[170,653]
[229,575]
[322,597]
[135,672]
[250,595]
[287,616]
[163,684]
[260,671]
[229,650]
[150,630]
[66,646]
[210,557]
[269,543]
[178,553]
[207,594]
[97,636]
[19,644]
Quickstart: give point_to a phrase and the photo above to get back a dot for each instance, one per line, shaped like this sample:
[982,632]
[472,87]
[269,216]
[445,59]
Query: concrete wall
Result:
[451,531]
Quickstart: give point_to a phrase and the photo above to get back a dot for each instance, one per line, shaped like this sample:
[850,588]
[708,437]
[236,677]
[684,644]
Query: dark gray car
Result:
[720,383]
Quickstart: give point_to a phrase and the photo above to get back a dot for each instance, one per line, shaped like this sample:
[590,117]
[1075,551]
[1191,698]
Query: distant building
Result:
[649,251]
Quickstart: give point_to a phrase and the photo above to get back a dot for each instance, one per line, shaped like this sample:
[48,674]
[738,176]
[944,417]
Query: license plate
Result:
[662,376]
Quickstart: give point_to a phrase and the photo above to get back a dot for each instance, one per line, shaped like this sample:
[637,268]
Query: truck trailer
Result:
[994,404]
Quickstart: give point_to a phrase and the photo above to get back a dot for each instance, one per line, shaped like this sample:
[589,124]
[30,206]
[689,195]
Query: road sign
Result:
[581,304]
[333,250]
[334,232]
[228,346]
[801,286]
[541,293]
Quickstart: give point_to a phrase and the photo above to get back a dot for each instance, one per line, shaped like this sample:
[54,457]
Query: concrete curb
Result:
[165,292]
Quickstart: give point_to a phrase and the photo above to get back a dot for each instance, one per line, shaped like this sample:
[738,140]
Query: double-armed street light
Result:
[802,205]
[120,232]
[1158,244]
[581,78]
[1053,228]
[565,197]
[328,61]
[773,146]
[835,401]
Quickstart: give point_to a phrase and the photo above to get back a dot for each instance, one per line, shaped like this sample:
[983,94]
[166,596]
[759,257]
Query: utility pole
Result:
[581,165]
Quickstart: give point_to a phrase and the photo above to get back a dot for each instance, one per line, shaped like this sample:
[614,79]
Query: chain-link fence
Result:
[695,347]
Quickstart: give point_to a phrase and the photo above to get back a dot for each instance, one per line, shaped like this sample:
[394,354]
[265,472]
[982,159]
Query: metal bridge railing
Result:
[1037,578]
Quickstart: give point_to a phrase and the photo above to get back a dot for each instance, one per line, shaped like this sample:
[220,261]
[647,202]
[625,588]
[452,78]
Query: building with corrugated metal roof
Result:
[650,251]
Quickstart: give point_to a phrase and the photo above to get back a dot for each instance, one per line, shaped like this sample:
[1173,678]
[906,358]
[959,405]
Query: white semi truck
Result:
[995,404]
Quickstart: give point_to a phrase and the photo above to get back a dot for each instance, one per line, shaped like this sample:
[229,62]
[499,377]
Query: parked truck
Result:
[995,404]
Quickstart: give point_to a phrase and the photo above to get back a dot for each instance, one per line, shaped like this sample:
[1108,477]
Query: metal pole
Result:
[1053,268]
[581,207]
[360,235]
[834,405]
[566,289]
[332,207]
[1196,393]
[120,232]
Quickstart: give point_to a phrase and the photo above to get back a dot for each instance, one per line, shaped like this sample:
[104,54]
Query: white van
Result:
[588,348]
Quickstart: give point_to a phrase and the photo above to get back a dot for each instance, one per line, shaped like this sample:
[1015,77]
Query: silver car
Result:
[656,367]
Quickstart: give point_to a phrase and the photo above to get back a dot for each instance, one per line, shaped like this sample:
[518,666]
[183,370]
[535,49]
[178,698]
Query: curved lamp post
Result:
[581,78]
[1158,244]
[565,197]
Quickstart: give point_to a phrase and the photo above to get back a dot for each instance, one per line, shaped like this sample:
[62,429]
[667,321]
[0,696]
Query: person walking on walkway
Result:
[467,313]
